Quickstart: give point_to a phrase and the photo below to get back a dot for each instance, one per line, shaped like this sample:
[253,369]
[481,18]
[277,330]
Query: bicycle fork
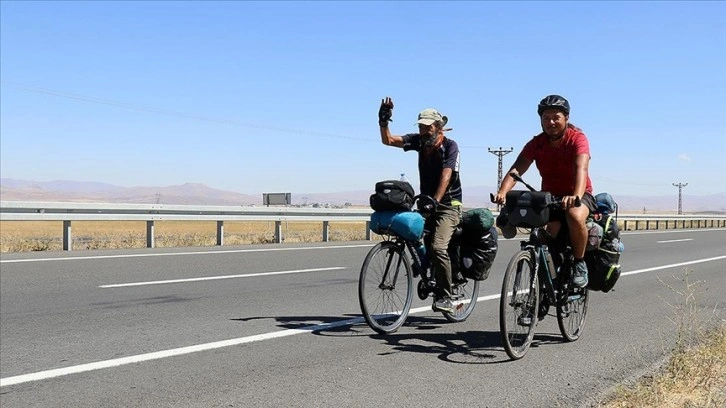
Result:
[392,285]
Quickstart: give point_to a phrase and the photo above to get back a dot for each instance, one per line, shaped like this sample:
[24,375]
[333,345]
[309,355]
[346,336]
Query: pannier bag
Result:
[603,262]
[407,224]
[594,235]
[605,204]
[527,209]
[477,221]
[392,195]
[473,254]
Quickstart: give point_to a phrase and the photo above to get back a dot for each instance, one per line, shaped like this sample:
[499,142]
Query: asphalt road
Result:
[279,325]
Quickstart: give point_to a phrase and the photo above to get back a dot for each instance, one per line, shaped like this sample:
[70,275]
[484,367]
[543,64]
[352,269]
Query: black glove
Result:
[385,112]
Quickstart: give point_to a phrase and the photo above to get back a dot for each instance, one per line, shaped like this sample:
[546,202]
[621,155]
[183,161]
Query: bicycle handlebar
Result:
[425,205]
[556,200]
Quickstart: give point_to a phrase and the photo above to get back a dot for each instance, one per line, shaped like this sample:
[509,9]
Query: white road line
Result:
[676,265]
[237,251]
[231,251]
[675,231]
[42,375]
[206,278]
[673,240]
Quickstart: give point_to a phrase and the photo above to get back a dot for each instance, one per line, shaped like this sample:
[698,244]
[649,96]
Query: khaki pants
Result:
[444,222]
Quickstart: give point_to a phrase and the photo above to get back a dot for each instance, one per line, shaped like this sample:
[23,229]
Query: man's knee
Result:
[440,249]
[578,214]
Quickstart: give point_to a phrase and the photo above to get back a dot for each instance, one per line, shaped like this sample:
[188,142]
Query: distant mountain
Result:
[200,194]
[77,191]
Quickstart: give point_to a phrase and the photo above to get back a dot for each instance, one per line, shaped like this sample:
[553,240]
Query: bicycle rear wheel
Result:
[571,313]
[518,305]
[464,299]
[385,287]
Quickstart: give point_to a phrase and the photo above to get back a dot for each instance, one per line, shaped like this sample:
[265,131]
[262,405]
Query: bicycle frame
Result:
[387,279]
[547,272]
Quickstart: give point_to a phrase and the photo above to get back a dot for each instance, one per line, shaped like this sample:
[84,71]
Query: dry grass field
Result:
[24,236]
[694,376]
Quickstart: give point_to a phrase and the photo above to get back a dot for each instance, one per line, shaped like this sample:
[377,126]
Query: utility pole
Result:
[500,153]
[680,201]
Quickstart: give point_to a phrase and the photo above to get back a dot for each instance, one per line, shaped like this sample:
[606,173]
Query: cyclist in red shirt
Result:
[562,156]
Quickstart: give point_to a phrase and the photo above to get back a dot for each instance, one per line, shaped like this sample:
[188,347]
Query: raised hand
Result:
[385,112]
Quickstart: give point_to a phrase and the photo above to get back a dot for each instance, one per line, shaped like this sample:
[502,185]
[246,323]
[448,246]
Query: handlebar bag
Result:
[527,209]
[392,195]
[407,224]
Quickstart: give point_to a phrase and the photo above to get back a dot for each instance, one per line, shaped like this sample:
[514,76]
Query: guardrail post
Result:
[368,230]
[67,239]
[647,224]
[657,224]
[636,225]
[149,234]
[326,231]
[278,232]
[220,233]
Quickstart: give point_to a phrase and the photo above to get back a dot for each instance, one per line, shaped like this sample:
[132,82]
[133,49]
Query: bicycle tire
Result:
[517,303]
[384,306]
[572,313]
[464,300]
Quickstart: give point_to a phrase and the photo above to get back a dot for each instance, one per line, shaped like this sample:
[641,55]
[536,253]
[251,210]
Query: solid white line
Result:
[231,251]
[236,251]
[656,268]
[673,240]
[42,375]
[249,275]
[671,231]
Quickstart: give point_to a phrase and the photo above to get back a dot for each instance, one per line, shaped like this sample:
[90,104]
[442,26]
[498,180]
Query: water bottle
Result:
[404,178]
[421,252]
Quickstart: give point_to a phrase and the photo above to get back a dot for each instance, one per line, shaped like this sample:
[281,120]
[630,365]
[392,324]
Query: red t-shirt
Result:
[556,165]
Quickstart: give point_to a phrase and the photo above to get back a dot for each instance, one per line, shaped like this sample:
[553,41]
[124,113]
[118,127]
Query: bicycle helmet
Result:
[553,102]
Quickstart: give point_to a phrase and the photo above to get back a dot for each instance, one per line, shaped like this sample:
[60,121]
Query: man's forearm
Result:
[443,185]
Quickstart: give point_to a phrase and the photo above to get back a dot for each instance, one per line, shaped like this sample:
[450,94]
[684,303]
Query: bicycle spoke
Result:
[518,303]
[385,287]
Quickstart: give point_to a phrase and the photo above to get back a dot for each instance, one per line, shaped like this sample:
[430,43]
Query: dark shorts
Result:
[587,200]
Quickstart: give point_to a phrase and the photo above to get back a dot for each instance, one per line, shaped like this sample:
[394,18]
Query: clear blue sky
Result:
[283,96]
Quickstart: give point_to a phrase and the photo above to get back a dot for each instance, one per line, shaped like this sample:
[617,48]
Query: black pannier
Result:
[603,262]
[527,209]
[472,254]
[603,268]
[393,195]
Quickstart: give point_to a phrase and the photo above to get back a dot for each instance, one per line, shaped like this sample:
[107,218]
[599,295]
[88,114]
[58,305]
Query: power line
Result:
[109,102]
[125,105]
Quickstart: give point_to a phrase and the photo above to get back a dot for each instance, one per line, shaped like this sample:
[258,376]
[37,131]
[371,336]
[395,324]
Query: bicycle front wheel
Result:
[518,304]
[571,313]
[385,287]
[464,299]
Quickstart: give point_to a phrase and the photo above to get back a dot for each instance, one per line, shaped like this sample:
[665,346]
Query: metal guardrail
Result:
[68,212]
